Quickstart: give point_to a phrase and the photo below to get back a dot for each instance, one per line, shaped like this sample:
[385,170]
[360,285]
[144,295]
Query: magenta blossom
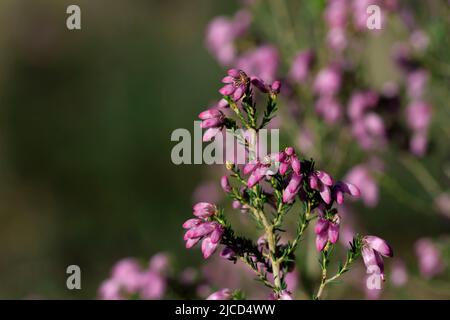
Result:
[283,295]
[202,229]
[321,181]
[260,169]
[363,178]
[373,248]
[261,62]
[288,159]
[236,84]
[418,115]
[213,120]
[204,209]
[224,294]
[329,109]
[341,187]
[326,230]
[222,32]
[301,66]
[430,260]
[328,81]
[225,184]
[292,188]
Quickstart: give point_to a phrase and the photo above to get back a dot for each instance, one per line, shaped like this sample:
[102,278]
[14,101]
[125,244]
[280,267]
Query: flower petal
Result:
[379,245]
[210,133]
[227,90]
[208,247]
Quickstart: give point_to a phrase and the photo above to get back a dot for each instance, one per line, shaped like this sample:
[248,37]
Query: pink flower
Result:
[416,83]
[301,66]
[288,159]
[213,120]
[159,263]
[261,62]
[372,250]
[361,176]
[321,181]
[236,84]
[328,81]
[340,188]
[259,170]
[204,209]
[222,32]
[399,274]
[283,295]
[418,143]
[225,184]
[326,231]
[329,108]
[418,115]
[430,259]
[359,102]
[292,188]
[202,229]
[224,294]
[153,286]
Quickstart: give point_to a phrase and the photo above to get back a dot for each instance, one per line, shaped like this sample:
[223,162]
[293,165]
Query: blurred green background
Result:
[85,124]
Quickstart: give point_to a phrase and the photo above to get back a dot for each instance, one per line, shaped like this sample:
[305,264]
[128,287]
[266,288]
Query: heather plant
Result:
[269,188]
[338,110]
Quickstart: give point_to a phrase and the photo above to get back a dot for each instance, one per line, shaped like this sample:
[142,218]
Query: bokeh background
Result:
[85,123]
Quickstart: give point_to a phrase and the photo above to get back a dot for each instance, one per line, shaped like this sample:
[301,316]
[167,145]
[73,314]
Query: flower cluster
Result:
[129,279]
[267,188]
[201,228]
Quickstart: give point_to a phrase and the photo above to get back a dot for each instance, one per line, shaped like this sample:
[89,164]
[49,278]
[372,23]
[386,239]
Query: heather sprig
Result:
[266,188]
